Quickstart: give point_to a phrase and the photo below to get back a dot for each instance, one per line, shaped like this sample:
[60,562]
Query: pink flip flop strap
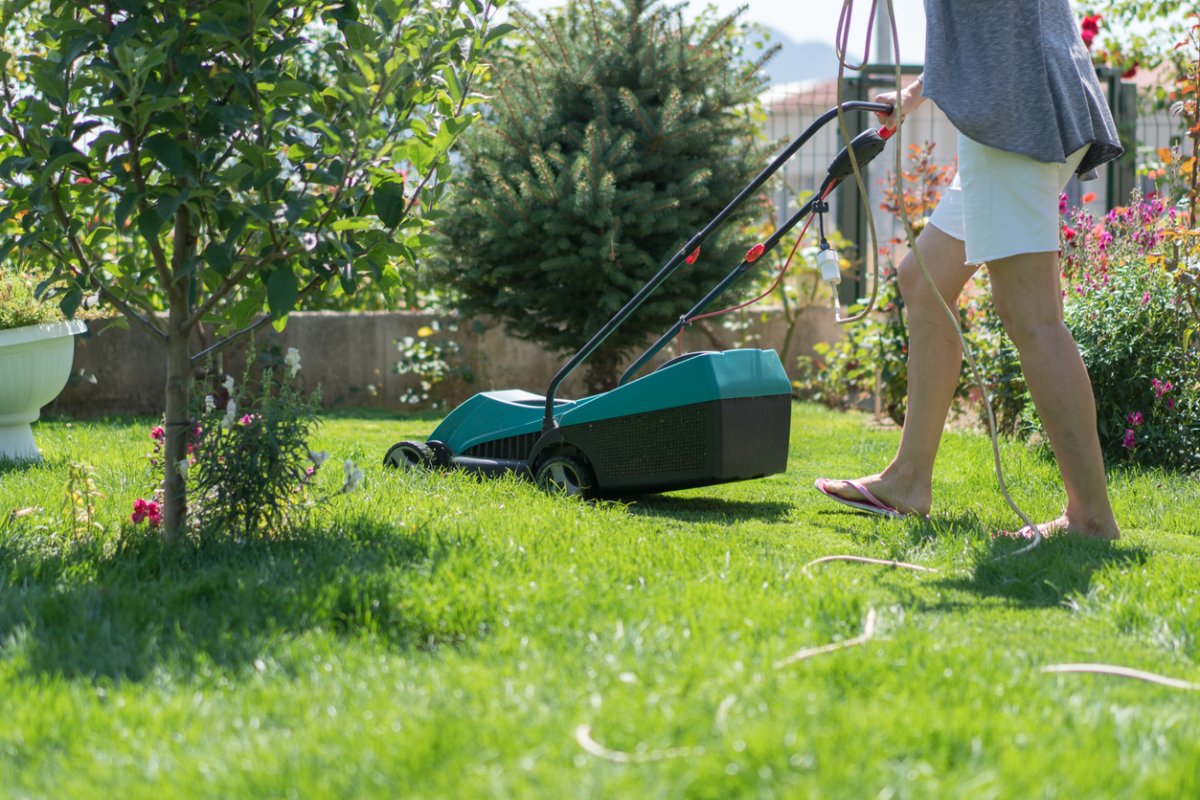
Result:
[865,492]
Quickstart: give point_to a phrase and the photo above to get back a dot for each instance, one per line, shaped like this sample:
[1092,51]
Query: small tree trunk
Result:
[179,369]
[178,428]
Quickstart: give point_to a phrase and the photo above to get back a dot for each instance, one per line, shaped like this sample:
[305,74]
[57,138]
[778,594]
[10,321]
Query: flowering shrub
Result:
[432,360]
[248,460]
[1128,309]
[252,465]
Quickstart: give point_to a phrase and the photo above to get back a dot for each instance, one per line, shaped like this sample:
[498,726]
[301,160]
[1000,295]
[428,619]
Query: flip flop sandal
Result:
[870,503]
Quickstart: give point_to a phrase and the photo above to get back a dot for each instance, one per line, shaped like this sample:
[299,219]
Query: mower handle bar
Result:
[865,146]
[548,421]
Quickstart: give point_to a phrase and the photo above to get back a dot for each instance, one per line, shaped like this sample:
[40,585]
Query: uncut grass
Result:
[434,635]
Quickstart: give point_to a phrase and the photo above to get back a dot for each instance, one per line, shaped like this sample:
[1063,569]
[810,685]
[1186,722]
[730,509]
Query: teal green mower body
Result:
[700,419]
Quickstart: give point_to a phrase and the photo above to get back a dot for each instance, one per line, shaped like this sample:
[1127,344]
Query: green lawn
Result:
[435,636]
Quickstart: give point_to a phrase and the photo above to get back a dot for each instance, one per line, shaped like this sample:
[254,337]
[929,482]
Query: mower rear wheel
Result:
[409,455]
[565,475]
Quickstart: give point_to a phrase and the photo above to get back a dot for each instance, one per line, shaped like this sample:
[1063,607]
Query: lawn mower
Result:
[699,419]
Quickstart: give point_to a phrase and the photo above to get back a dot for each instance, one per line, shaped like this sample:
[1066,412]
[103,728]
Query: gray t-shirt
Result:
[1015,75]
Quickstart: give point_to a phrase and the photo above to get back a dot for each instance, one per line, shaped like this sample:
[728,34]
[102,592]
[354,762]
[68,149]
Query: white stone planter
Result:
[35,362]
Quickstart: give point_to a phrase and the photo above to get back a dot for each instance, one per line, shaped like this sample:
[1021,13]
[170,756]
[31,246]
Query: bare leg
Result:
[934,362]
[1028,298]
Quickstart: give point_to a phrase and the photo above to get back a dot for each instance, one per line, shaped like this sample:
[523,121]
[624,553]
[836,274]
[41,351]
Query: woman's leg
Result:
[934,362]
[1028,298]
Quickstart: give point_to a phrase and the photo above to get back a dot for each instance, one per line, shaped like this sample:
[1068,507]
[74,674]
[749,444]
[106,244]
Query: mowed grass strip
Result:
[433,635]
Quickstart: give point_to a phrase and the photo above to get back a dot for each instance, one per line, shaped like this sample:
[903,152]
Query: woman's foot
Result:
[1085,528]
[877,494]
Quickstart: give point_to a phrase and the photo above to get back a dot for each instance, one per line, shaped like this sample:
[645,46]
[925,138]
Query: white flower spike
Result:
[292,360]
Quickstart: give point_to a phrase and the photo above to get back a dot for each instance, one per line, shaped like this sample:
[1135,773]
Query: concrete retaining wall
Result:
[352,358]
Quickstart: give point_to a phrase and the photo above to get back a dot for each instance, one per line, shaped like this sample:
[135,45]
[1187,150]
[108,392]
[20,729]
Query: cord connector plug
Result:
[830,266]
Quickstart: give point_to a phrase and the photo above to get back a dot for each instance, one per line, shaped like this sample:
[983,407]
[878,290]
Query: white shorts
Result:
[1003,204]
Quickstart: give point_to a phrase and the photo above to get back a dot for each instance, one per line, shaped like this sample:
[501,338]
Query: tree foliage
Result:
[224,160]
[617,131]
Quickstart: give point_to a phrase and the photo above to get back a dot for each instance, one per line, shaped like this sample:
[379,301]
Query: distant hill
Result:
[800,61]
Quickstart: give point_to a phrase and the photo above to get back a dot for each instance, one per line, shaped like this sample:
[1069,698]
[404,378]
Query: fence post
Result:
[1122,173]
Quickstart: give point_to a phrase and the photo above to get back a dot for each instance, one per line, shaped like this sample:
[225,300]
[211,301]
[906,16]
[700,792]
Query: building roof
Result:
[804,94]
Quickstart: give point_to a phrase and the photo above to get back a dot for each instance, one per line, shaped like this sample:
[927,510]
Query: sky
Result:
[817,20]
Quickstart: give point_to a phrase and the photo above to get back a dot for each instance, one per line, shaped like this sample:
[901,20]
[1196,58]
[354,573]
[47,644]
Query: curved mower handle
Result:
[548,421]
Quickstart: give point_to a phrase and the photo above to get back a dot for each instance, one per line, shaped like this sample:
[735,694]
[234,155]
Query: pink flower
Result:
[146,510]
[1135,418]
[157,433]
[1130,440]
[1062,203]
[1146,299]
[1068,232]
[1161,387]
[1170,403]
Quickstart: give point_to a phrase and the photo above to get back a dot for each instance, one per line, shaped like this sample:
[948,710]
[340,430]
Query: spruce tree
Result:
[616,133]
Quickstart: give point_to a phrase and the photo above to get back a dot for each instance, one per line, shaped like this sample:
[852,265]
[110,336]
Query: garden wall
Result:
[352,358]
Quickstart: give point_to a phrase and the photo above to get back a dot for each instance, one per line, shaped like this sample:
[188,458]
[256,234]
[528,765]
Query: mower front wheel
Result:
[565,475]
[410,455]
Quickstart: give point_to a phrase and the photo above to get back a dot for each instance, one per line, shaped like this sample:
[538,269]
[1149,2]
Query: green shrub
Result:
[616,133]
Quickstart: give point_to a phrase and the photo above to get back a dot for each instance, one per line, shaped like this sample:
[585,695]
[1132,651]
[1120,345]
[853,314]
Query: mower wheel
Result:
[564,475]
[443,456]
[409,455]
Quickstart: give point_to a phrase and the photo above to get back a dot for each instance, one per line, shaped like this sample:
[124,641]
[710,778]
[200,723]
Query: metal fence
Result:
[791,108]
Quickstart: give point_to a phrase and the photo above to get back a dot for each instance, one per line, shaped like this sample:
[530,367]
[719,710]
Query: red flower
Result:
[1129,73]
[1130,440]
[146,510]
[1068,232]
[1090,197]
[157,433]
[1089,28]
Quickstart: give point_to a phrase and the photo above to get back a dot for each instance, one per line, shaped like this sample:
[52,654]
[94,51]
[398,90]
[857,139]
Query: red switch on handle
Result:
[754,252]
[886,133]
